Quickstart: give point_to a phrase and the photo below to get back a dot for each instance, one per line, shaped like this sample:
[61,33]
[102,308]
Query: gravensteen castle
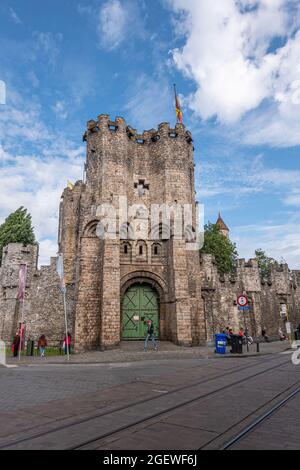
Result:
[115,284]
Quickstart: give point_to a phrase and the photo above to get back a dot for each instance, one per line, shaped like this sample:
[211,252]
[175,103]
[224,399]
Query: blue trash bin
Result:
[221,342]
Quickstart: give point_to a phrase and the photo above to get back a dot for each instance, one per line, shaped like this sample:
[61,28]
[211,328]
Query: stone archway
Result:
[139,304]
[157,285]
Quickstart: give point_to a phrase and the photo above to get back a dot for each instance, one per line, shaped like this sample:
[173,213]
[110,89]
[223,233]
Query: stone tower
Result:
[120,282]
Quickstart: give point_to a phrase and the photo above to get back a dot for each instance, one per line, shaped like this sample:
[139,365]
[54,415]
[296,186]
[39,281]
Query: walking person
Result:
[281,335]
[264,335]
[228,332]
[248,338]
[67,344]
[42,344]
[16,345]
[150,335]
[241,333]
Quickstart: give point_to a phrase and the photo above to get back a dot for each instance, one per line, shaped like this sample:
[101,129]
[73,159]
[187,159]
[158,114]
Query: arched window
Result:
[141,251]
[156,249]
[93,229]
[125,252]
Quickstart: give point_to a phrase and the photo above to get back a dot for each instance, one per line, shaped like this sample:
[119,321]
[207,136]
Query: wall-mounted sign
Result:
[288,328]
[243,301]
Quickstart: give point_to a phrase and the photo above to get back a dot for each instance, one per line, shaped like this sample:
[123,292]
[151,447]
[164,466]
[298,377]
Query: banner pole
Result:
[66,319]
[22,315]
[66,326]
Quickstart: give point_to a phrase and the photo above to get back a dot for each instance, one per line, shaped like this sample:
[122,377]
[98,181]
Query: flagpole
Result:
[175,93]
[66,320]
[66,326]
[22,315]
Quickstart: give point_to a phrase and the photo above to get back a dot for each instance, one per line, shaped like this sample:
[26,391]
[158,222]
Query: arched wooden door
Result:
[140,303]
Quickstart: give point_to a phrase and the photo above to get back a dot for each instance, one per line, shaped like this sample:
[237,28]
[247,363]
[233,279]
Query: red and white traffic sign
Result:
[243,301]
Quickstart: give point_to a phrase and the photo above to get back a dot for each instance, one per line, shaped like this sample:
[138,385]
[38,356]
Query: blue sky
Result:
[237,68]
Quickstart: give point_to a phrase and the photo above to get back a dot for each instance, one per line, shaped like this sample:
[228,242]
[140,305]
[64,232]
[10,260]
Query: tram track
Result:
[261,419]
[88,420]
[86,444]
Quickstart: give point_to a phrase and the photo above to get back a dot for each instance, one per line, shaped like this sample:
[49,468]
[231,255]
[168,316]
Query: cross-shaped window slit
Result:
[142,187]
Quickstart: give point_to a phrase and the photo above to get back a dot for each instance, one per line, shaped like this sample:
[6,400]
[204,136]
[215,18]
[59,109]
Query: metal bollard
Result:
[257,347]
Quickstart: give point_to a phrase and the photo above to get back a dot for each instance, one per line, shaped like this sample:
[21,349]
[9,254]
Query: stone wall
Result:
[220,294]
[43,309]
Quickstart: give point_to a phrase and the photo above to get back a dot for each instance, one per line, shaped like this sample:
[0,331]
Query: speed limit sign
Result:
[243,301]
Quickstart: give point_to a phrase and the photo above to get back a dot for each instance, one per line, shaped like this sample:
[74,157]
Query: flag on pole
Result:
[22,282]
[60,271]
[179,115]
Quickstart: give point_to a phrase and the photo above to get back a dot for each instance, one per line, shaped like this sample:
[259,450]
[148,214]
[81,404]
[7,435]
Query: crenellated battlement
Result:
[105,125]
[69,193]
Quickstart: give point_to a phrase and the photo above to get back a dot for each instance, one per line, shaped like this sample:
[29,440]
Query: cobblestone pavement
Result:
[42,394]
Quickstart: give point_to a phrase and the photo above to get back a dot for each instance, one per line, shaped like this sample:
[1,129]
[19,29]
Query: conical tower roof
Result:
[220,222]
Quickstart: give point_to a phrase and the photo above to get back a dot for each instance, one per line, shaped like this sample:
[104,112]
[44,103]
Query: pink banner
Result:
[21,333]
[22,282]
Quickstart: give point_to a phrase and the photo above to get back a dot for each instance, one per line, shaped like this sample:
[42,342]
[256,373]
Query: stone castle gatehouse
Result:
[120,283]
[115,284]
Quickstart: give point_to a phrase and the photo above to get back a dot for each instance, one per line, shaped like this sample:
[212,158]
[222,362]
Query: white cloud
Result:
[14,16]
[281,241]
[231,183]
[35,178]
[37,183]
[147,100]
[60,109]
[238,176]
[49,45]
[293,199]
[113,22]
[47,249]
[119,21]
[242,54]
[85,9]
[2,92]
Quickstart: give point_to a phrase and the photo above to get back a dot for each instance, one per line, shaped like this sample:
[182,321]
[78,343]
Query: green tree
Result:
[224,251]
[265,263]
[17,228]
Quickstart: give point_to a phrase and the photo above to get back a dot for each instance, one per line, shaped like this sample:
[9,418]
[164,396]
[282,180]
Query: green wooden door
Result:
[140,304]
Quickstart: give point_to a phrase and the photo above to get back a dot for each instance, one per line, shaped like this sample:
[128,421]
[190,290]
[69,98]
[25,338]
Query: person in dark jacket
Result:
[150,335]
[228,332]
[42,345]
[264,335]
[16,345]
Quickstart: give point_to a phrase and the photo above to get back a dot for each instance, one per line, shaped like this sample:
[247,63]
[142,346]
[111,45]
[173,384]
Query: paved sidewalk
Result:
[133,352]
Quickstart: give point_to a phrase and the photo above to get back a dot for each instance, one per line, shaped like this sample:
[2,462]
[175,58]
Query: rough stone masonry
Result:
[114,285]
